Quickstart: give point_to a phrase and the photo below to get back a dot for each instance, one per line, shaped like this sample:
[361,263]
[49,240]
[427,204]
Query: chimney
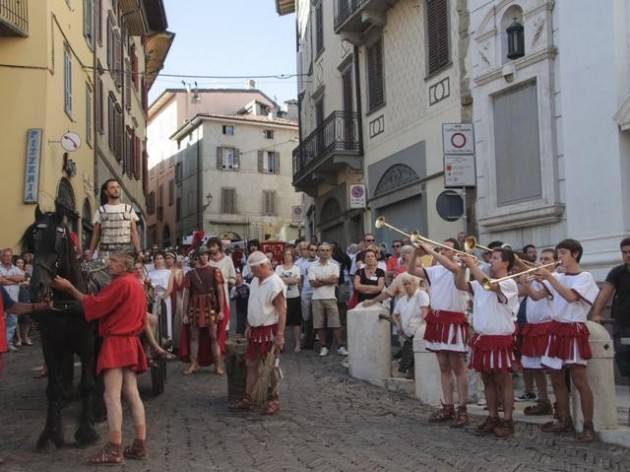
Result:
[250,84]
[292,110]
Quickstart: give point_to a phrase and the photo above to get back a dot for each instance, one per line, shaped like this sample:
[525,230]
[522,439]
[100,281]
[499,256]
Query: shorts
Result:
[326,314]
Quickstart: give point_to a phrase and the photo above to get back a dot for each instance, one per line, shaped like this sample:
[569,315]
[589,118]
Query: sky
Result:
[230,38]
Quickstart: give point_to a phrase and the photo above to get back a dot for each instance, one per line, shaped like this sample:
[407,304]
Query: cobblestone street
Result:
[328,422]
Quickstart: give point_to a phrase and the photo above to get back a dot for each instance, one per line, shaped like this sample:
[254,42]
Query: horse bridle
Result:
[60,240]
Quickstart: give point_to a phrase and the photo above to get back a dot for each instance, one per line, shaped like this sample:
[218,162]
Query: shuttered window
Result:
[98,114]
[268,162]
[89,103]
[319,27]
[228,158]
[228,200]
[171,192]
[88,22]
[437,34]
[376,86]
[67,80]
[128,80]
[269,203]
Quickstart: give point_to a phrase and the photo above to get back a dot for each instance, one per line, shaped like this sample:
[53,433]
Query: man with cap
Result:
[204,305]
[266,320]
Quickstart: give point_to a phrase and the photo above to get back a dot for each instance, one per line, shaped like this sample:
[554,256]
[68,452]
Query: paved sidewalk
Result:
[329,422]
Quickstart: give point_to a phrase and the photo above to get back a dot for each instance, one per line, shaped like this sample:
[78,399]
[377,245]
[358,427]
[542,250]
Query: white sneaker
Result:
[342,351]
[323,352]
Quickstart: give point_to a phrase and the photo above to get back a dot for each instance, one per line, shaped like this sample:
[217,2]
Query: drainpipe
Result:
[357,76]
[199,183]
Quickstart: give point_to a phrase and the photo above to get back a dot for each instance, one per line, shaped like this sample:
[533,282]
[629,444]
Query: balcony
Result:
[14,18]
[334,144]
[353,17]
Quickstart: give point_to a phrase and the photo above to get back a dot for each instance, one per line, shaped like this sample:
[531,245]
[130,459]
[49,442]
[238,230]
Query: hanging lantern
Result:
[516,40]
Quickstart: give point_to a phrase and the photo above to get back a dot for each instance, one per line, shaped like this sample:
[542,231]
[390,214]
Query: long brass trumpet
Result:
[488,283]
[414,237]
[471,243]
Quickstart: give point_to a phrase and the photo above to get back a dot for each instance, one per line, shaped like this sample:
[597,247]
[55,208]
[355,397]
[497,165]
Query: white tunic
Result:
[584,285]
[538,311]
[494,313]
[260,310]
[410,311]
[442,290]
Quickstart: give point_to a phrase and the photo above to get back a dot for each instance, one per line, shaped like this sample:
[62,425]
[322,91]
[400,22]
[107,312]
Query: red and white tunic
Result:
[262,315]
[568,339]
[536,331]
[494,315]
[447,325]
[121,309]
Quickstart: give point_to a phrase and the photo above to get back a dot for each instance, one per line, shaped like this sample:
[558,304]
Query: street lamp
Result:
[516,40]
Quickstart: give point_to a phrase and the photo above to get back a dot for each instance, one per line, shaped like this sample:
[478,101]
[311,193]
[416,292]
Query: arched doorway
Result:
[66,204]
[166,237]
[86,224]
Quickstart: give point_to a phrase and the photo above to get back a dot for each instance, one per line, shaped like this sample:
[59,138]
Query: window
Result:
[98,21]
[228,200]
[268,133]
[118,62]
[88,22]
[67,80]
[115,128]
[151,203]
[269,203]
[178,209]
[110,43]
[128,79]
[171,192]
[161,195]
[136,164]
[319,27]
[376,89]
[134,68]
[128,151]
[178,172]
[517,149]
[228,130]
[98,114]
[437,35]
[89,131]
[268,162]
[227,158]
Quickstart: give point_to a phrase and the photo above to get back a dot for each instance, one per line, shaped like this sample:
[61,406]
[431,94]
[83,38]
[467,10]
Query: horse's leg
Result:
[67,376]
[53,430]
[86,434]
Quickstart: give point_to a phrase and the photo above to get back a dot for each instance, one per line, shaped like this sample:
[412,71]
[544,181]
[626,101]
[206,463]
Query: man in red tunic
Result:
[121,310]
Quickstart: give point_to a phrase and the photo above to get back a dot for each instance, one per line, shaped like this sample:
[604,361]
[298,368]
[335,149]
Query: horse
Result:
[64,330]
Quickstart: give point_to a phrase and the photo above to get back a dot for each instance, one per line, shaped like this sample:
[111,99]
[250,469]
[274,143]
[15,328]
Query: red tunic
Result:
[4,346]
[121,310]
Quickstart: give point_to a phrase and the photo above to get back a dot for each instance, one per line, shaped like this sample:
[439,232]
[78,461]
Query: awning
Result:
[157,47]
[284,7]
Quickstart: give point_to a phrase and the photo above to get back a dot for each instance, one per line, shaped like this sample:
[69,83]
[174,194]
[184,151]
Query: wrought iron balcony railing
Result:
[344,9]
[337,135]
[13,17]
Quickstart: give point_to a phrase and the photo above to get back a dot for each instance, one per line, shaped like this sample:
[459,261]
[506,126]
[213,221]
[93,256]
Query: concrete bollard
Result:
[369,344]
[427,370]
[601,378]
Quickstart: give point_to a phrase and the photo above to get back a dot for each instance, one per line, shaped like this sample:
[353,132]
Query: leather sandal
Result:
[487,427]
[587,434]
[541,408]
[446,413]
[504,429]
[461,417]
[111,454]
[136,451]
[558,426]
[243,404]
[272,407]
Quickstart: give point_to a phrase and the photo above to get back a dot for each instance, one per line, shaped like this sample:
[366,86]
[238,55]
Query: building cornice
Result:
[198,119]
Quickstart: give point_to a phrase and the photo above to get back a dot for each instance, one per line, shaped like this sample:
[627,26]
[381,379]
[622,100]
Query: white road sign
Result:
[458,138]
[459,171]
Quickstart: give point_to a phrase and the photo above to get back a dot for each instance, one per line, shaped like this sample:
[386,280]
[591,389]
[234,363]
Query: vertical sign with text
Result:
[33,158]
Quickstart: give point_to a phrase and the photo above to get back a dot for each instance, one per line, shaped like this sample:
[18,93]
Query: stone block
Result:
[427,370]
[601,378]
[369,344]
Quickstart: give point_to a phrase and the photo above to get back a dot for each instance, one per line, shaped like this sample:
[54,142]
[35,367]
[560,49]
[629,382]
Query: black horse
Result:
[64,329]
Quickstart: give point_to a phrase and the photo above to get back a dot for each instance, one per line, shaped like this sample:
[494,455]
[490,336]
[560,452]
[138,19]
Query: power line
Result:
[182,76]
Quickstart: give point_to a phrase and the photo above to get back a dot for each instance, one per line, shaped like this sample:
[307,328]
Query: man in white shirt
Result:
[308,252]
[114,224]
[266,320]
[10,279]
[324,276]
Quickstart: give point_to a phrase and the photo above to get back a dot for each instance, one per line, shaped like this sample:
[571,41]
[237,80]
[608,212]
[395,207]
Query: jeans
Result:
[11,322]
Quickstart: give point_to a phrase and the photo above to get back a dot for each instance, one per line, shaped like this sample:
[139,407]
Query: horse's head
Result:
[48,240]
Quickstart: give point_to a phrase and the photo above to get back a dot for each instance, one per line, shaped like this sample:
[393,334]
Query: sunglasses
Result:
[370,240]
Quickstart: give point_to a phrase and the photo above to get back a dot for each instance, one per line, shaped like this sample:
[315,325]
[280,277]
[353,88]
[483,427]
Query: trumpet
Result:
[415,237]
[488,283]
[470,244]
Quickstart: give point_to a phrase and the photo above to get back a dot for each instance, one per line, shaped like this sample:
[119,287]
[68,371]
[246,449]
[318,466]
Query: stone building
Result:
[553,143]
[220,160]
[378,80]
